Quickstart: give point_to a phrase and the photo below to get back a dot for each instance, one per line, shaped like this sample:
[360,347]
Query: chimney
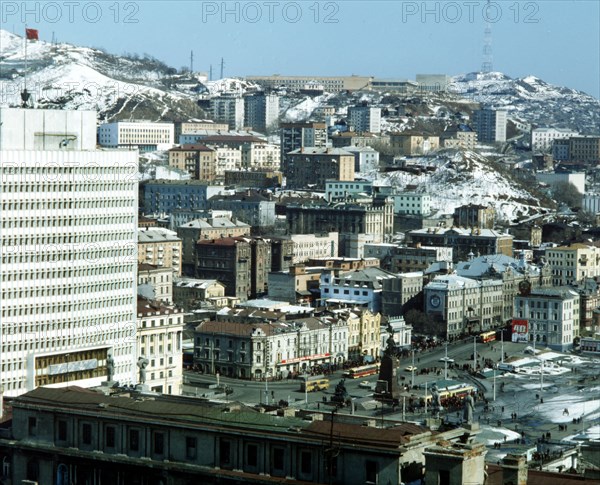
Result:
[514,470]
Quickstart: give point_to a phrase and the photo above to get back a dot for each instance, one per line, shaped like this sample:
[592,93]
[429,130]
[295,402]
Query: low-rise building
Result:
[250,206]
[189,293]
[411,144]
[145,135]
[585,149]
[198,160]
[361,287]
[543,138]
[299,284]
[275,349]
[160,247]
[475,215]
[366,158]
[463,241]
[551,316]
[159,338]
[412,203]
[552,179]
[407,259]
[339,190]
[459,136]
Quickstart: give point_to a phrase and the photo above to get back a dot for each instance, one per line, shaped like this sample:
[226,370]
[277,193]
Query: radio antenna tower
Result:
[222,67]
[191,61]
[487,65]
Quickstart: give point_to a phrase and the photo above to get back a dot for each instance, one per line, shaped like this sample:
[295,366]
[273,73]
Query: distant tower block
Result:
[488,58]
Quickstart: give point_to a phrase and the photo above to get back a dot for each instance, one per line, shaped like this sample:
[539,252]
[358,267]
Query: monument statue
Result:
[436,403]
[468,406]
[110,368]
[142,363]
[340,396]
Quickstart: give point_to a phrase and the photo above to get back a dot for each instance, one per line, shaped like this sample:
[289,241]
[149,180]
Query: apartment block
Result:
[160,247]
[197,160]
[585,149]
[413,144]
[155,282]
[571,264]
[228,109]
[302,135]
[261,111]
[400,294]
[490,125]
[475,215]
[167,196]
[312,167]
[459,136]
[543,138]
[365,118]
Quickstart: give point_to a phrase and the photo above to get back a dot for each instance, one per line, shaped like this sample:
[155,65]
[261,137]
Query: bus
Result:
[487,336]
[314,384]
[362,371]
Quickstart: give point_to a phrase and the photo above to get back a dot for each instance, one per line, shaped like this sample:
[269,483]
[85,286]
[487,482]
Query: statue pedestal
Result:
[472,427]
[433,423]
[142,388]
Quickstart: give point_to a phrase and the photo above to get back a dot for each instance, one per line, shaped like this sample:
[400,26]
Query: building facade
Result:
[543,138]
[249,206]
[160,247]
[145,135]
[228,109]
[197,160]
[312,167]
[331,84]
[365,118]
[413,144]
[68,240]
[490,125]
[261,111]
[571,264]
[157,280]
[159,339]
[166,196]
[552,316]
[301,135]
[475,215]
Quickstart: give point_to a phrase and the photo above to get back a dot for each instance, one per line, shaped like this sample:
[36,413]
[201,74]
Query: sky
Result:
[555,40]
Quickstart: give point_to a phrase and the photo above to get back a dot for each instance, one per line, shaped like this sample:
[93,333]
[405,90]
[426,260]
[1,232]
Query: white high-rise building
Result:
[68,252]
[365,118]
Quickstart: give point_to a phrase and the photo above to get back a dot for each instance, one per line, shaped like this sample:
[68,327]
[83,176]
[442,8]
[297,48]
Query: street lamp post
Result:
[446,363]
[474,354]
[412,380]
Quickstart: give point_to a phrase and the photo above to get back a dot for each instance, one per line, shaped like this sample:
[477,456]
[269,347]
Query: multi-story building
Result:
[133,438]
[475,215]
[340,190]
[198,160]
[182,127]
[551,316]
[351,138]
[274,349]
[331,84]
[361,287]
[571,264]
[189,293]
[402,333]
[228,108]
[412,203]
[298,284]
[156,281]
[258,179]
[314,246]
[242,264]
[365,158]
[68,239]
[433,82]
[302,135]
[145,135]
[552,179]
[463,305]
[160,247]
[363,333]
[585,149]
[511,271]
[250,206]
[561,150]
[402,293]
[207,228]
[312,167]
[412,144]
[365,118]
[490,125]
[401,259]
[166,196]
[464,241]
[372,217]
[282,253]
[159,336]
[261,156]
[460,136]
[261,111]
[543,138]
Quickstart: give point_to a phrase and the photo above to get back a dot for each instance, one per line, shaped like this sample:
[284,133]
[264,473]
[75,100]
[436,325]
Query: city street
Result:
[538,406]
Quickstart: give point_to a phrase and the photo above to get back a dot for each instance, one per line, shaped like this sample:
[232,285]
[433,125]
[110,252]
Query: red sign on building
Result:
[520,330]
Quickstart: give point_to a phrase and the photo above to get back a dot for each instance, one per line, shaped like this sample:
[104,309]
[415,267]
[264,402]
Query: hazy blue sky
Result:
[556,40]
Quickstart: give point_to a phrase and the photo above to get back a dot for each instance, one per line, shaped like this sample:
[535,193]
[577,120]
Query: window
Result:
[224,453]
[252,455]
[32,426]
[371,471]
[159,443]
[86,433]
[110,436]
[134,440]
[305,462]
[190,447]
[443,477]
[278,458]
[62,430]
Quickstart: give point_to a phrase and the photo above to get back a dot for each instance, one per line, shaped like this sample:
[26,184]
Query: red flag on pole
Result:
[31,34]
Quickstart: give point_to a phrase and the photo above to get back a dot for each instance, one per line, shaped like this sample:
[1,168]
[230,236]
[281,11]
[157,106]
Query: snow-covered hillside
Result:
[457,178]
[68,76]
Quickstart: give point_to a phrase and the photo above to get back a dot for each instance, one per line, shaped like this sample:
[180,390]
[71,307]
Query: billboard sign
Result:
[520,330]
